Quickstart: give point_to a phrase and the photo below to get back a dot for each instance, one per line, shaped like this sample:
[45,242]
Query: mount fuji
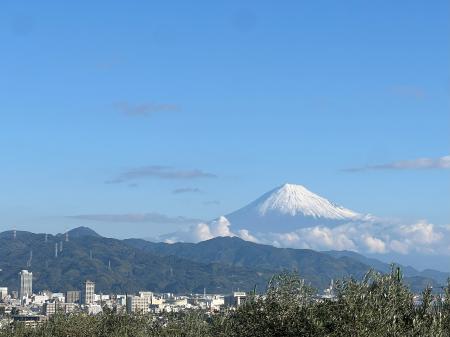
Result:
[291,216]
[290,207]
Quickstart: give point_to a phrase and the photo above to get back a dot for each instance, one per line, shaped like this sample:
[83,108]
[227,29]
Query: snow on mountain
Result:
[293,199]
[290,207]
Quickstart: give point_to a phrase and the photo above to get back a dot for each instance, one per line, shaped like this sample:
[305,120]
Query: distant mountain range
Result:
[220,265]
[316,267]
[410,272]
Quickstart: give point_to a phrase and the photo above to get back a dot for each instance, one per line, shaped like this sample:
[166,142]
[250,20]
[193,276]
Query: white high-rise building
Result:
[26,284]
[3,292]
[89,292]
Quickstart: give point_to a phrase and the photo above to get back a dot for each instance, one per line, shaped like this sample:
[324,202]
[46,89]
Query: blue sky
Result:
[193,109]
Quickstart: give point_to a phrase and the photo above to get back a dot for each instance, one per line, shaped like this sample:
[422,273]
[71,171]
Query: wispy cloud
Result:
[108,63]
[152,217]
[160,172]
[187,190]
[418,164]
[211,202]
[408,91]
[145,109]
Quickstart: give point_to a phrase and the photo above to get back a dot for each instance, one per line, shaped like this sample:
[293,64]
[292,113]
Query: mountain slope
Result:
[131,269]
[318,268]
[287,208]
[408,271]
[219,265]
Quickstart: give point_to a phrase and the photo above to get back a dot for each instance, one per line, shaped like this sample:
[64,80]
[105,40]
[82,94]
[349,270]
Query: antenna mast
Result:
[30,259]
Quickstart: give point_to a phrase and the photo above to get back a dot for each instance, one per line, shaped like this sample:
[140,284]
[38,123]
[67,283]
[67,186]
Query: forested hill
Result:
[114,266]
[220,265]
[316,267]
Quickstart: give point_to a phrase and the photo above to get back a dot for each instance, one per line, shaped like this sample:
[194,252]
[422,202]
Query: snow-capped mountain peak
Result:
[293,199]
[290,207]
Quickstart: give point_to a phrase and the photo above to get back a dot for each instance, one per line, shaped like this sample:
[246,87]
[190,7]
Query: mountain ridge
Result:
[309,263]
[219,264]
[89,257]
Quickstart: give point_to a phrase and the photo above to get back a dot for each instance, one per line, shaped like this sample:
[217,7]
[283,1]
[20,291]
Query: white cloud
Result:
[399,247]
[421,233]
[221,227]
[201,232]
[317,237]
[244,234]
[374,245]
[372,236]
[367,237]
[326,238]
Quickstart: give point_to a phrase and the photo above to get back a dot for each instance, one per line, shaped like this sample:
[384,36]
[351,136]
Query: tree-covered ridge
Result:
[118,266]
[115,267]
[378,306]
[318,268]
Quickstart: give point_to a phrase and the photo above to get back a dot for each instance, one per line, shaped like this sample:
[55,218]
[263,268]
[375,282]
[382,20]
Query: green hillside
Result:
[220,265]
[131,269]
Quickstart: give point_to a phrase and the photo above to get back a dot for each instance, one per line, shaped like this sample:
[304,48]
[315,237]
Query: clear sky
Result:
[181,110]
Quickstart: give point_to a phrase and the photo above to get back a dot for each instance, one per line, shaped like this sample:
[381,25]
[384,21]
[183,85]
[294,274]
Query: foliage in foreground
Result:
[379,305]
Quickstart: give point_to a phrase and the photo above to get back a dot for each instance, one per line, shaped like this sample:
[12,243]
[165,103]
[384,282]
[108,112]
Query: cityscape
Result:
[34,308]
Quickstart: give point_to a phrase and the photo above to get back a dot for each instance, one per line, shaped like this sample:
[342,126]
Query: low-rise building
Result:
[138,304]
[235,299]
[51,308]
[39,299]
[147,294]
[93,309]
[29,320]
[73,296]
